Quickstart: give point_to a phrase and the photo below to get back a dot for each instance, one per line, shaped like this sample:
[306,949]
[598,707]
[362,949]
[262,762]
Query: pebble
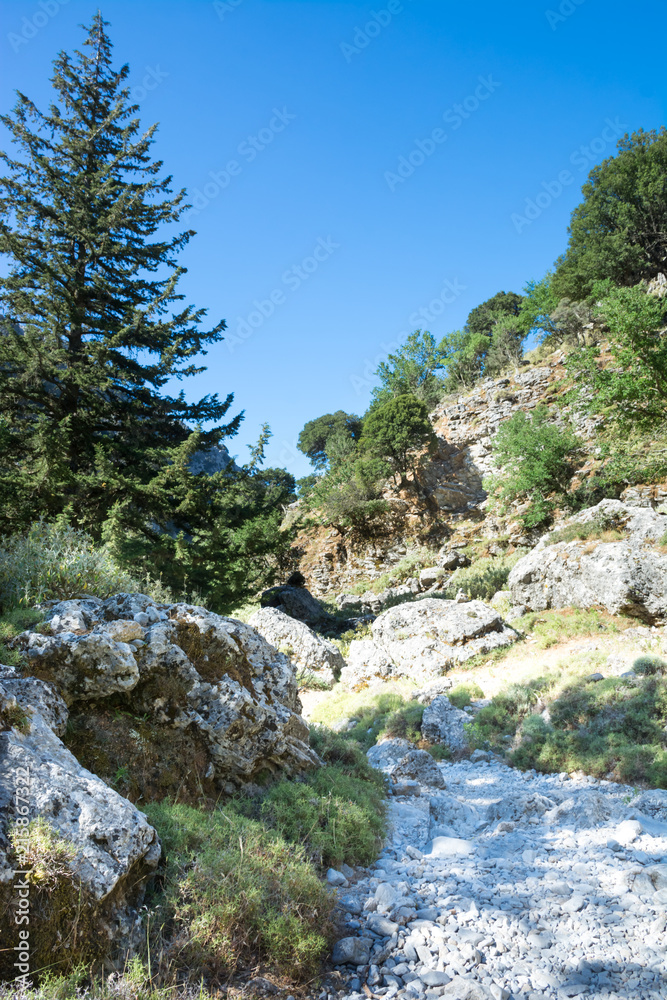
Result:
[506,884]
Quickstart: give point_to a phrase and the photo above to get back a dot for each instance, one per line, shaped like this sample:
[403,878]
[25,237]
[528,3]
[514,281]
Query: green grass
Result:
[465,694]
[482,578]
[552,627]
[12,623]
[614,727]
[236,893]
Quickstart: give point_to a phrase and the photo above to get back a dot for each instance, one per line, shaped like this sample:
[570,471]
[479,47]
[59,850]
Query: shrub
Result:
[53,561]
[236,893]
[465,694]
[483,578]
[536,460]
[649,665]
[396,431]
[12,623]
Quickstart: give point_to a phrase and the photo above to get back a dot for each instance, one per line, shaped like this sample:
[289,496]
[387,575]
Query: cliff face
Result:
[451,481]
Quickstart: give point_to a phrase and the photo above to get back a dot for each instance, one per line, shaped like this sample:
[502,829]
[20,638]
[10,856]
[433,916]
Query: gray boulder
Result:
[299,603]
[317,660]
[443,723]
[109,845]
[207,679]
[424,639]
[401,761]
[365,661]
[628,576]
[352,951]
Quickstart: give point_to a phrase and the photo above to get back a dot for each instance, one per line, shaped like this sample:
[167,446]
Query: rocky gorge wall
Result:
[451,480]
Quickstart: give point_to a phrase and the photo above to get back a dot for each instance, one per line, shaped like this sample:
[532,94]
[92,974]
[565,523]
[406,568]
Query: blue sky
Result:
[359,169]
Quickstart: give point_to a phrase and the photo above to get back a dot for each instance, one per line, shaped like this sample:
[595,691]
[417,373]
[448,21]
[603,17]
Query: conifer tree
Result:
[93,326]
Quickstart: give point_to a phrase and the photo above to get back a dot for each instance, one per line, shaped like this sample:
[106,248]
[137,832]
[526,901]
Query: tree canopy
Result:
[329,439]
[93,327]
[396,430]
[619,230]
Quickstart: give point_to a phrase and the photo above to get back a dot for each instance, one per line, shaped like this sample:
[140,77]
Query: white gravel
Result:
[509,884]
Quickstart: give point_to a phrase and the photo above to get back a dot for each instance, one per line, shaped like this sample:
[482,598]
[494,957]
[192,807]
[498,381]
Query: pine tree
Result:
[92,324]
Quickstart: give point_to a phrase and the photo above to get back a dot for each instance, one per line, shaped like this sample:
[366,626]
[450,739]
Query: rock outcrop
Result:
[107,847]
[445,724]
[424,639]
[624,576]
[317,660]
[212,681]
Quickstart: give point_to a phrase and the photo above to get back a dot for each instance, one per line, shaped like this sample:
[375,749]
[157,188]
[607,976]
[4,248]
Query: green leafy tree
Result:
[330,439]
[619,231]
[631,386]
[466,352]
[536,459]
[506,347]
[483,318]
[397,430]
[351,496]
[412,370]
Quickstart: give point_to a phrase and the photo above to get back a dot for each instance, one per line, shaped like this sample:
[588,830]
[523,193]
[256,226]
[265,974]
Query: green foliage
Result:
[551,627]
[612,726]
[619,231]
[537,307]
[350,496]
[537,459]
[483,578]
[335,816]
[331,439]
[57,562]
[236,893]
[409,566]
[465,694]
[483,318]
[12,623]
[412,371]
[501,719]
[632,388]
[395,431]
[648,666]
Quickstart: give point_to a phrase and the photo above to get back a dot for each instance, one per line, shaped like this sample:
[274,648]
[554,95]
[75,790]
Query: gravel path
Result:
[496,883]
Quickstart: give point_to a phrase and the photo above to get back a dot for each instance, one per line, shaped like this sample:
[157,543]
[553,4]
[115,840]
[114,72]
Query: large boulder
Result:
[299,603]
[424,639]
[90,849]
[443,723]
[318,661]
[216,704]
[624,576]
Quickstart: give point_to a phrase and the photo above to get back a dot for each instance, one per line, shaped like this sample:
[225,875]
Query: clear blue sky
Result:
[314,103]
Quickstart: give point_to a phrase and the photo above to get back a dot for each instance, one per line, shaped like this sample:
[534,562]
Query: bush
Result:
[536,459]
[483,578]
[396,431]
[465,694]
[649,665]
[58,562]
[236,893]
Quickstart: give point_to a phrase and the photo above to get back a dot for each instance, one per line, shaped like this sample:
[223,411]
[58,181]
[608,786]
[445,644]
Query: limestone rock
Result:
[399,759]
[193,672]
[316,658]
[443,723]
[84,667]
[365,660]
[113,846]
[297,602]
[628,576]
[426,638]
